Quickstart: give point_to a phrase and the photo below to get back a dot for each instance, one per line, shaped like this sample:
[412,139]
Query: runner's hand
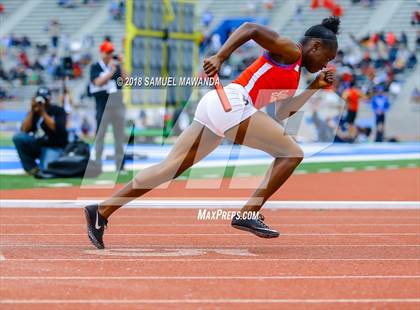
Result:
[324,79]
[212,65]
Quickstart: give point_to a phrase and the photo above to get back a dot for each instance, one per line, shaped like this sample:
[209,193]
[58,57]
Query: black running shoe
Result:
[95,225]
[255,226]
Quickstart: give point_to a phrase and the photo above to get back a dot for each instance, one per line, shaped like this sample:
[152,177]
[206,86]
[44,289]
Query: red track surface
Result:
[165,259]
[398,184]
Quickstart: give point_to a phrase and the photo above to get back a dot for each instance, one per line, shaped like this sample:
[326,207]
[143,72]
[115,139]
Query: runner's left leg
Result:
[261,132]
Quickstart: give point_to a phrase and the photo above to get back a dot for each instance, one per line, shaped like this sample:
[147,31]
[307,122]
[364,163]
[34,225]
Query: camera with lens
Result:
[42,95]
[40,100]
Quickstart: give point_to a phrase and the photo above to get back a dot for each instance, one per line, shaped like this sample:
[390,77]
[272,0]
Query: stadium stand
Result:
[354,15]
[10,6]
[97,21]
[71,19]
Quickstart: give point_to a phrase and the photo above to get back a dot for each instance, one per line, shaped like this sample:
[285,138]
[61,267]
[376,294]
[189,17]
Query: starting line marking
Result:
[195,204]
[210,259]
[153,252]
[215,235]
[227,247]
[203,224]
[201,301]
[206,277]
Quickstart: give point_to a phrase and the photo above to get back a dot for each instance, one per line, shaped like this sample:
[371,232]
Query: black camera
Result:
[40,100]
[42,95]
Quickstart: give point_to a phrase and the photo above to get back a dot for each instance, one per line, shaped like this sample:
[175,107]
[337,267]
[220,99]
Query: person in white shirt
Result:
[110,108]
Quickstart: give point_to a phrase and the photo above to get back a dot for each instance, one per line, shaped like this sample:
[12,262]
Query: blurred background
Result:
[53,43]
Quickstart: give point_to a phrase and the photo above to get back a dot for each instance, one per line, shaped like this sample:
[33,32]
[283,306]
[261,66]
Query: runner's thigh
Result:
[261,132]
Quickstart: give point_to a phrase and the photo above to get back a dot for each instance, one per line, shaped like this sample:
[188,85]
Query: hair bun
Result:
[332,23]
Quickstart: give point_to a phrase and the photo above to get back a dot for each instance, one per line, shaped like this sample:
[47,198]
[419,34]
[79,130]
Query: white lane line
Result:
[206,247]
[104,182]
[202,224]
[207,301]
[2,258]
[57,185]
[392,167]
[212,176]
[300,172]
[170,259]
[195,204]
[208,277]
[242,174]
[325,170]
[371,168]
[215,235]
[348,169]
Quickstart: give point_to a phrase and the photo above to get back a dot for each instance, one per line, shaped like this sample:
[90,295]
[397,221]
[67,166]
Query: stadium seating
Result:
[98,22]
[355,15]
[401,21]
[70,20]
[10,6]
[222,9]
[113,28]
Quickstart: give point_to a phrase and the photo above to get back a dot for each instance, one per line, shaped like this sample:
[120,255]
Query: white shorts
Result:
[211,114]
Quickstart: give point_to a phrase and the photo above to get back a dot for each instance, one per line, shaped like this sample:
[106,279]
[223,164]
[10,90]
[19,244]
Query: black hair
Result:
[326,31]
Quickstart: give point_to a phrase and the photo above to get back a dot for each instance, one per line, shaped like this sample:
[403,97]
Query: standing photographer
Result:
[110,108]
[43,133]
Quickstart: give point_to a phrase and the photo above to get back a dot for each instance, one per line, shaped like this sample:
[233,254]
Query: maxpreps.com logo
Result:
[219,214]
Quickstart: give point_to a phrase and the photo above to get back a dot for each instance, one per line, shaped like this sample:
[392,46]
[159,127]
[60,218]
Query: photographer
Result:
[110,108]
[43,133]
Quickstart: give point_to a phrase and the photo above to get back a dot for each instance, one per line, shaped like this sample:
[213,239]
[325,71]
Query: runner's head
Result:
[320,44]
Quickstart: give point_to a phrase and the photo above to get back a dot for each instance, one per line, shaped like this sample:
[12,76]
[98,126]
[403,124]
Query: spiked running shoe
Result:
[96,225]
[255,226]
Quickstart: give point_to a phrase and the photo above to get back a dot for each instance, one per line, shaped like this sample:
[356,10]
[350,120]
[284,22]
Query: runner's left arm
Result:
[288,107]
[284,48]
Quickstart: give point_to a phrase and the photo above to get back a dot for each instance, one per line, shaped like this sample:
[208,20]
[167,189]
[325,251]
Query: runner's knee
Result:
[292,151]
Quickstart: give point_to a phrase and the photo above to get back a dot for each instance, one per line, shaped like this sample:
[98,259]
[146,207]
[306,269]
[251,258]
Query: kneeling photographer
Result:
[43,133]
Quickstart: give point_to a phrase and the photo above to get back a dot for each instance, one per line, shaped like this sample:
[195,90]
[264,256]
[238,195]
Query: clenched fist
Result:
[324,79]
[212,65]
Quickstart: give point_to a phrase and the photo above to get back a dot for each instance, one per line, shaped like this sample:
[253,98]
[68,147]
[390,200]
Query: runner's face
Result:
[317,55]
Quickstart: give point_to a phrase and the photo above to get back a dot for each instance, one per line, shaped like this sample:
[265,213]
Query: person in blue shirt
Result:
[380,105]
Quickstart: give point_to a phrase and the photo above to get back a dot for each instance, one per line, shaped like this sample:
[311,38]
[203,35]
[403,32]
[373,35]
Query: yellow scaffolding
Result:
[132,31]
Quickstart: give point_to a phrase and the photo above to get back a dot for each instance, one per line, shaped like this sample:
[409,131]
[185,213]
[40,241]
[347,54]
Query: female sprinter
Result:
[273,74]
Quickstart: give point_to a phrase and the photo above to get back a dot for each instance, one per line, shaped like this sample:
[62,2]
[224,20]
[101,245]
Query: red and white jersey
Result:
[265,80]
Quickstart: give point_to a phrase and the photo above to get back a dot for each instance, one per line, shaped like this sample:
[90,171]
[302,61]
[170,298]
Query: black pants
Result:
[114,116]
[351,116]
[380,127]
[30,149]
